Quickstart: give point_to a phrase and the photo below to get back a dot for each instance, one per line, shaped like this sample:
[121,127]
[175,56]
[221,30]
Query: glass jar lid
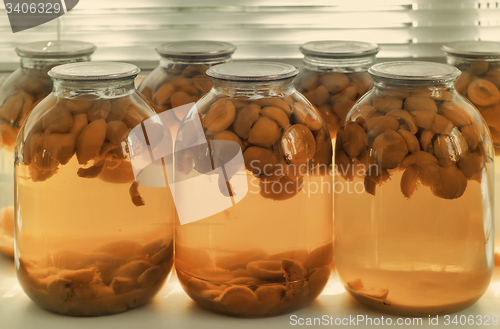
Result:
[415,71]
[252,71]
[339,49]
[472,48]
[86,71]
[196,49]
[56,49]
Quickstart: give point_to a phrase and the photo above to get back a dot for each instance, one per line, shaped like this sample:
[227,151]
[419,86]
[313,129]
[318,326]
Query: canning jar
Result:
[89,240]
[271,252]
[19,94]
[334,76]
[479,82]
[181,76]
[414,223]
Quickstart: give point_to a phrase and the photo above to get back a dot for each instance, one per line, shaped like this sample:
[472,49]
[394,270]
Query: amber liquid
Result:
[497,208]
[96,252]
[426,254]
[7,202]
[261,256]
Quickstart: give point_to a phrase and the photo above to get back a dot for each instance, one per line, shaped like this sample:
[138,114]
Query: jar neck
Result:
[190,61]
[398,84]
[253,89]
[102,88]
[41,63]
[352,64]
[454,59]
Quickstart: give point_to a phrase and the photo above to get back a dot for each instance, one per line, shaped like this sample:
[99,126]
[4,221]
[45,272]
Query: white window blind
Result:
[129,30]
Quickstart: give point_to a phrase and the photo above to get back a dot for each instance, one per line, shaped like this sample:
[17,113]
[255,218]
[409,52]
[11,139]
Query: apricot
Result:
[411,140]
[305,116]
[298,144]
[265,132]
[390,149]
[420,104]
[334,82]
[90,141]
[451,183]
[354,140]
[277,115]
[386,104]
[463,82]
[220,115]
[483,93]
[245,118]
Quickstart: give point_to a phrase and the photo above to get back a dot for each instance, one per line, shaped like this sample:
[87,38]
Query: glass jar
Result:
[271,252]
[89,240]
[479,82]
[414,234]
[334,77]
[180,79]
[19,94]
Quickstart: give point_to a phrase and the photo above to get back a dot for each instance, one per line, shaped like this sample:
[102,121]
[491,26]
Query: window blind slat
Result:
[262,28]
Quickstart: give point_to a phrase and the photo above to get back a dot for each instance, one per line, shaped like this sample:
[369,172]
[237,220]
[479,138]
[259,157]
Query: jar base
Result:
[80,300]
[98,307]
[250,301]
[89,291]
[420,293]
[405,310]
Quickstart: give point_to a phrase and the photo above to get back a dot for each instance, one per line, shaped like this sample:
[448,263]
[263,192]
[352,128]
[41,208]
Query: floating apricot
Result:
[298,144]
[90,141]
[334,82]
[390,149]
[354,140]
[220,115]
[420,104]
[265,132]
[483,93]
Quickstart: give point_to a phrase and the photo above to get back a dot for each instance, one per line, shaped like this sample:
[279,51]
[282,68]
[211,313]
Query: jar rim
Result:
[196,49]
[339,49]
[472,48]
[416,71]
[252,71]
[94,71]
[56,49]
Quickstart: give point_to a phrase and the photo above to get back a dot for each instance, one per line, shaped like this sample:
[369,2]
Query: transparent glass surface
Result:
[271,252]
[334,77]
[196,49]
[19,94]
[89,240]
[181,76]
[479,83]
[55,49]
[414,235]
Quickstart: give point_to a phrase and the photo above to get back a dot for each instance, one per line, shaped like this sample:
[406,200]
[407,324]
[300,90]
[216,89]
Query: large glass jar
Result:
[19,94]
[271,252]
[181,76]
[89,240]
[414,223]
[334,76]
[479,82]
